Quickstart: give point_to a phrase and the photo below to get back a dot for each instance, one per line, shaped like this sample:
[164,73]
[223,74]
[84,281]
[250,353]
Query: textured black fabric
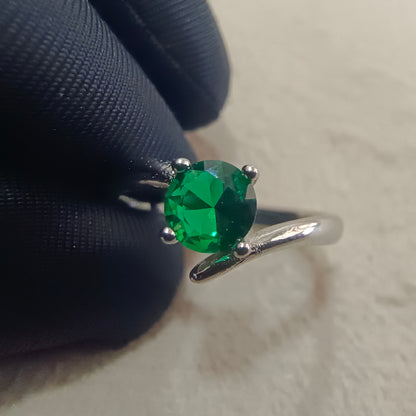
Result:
[77,270]
[179,47]
[79,120]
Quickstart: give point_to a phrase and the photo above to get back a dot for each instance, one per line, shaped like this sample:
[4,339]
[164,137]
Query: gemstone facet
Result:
[210,206]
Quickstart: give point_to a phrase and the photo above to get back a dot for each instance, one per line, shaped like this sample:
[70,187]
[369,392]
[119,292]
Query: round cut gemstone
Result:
[210,206]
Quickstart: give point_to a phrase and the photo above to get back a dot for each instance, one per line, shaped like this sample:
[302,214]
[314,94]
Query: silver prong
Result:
[181,164]
[251,172]
[167,235]
[242,250]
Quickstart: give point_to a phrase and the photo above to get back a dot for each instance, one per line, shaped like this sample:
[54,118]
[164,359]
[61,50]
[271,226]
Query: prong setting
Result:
[242,250]
[167,235]
[251,172]
[181,164]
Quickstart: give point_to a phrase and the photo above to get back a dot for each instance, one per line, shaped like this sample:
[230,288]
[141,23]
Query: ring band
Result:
[210,207]
[278,230]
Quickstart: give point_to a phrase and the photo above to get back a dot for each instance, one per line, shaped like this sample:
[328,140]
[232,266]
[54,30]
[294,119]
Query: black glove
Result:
[94,95]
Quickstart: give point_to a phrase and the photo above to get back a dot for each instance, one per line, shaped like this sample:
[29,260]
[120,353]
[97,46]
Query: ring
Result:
[210,207]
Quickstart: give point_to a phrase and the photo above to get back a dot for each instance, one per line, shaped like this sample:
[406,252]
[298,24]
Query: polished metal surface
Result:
[167,235]
[242,250]
[154,183]
[318,229]
[251,172]
[181,164]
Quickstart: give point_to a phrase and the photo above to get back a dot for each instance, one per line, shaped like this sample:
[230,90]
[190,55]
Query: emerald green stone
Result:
[210,206]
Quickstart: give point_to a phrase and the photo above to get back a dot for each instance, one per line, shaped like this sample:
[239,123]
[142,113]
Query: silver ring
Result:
[306,229]
[271,231]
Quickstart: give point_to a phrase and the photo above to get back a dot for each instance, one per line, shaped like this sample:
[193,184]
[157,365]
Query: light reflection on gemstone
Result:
[211,206]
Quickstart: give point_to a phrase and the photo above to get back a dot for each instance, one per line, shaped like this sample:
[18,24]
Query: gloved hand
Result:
[94,94]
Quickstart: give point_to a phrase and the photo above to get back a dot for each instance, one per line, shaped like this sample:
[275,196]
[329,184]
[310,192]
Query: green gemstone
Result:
[210,206]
